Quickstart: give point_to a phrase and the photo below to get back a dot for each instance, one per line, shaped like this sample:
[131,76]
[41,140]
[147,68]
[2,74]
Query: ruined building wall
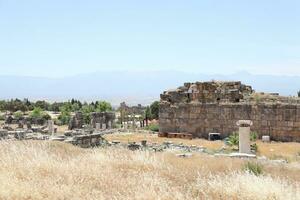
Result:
[206,115]
[103,118]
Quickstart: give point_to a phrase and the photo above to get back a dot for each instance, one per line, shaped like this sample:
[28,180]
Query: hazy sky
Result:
[66,37]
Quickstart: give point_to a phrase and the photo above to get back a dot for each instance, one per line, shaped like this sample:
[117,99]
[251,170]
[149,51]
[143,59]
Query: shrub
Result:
[154,110]
[46,116]
[36,113]
[18,115]
[103,106]
[253,136]
[233,139]
[253,168]
[153,127]
[57,122]
[64,117]
[38,116]
[254,147]
[2,117]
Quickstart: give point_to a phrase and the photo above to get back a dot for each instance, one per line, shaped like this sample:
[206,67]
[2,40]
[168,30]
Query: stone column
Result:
[104,126]
[98,126]
[109,124]
[51,127]
[244,136]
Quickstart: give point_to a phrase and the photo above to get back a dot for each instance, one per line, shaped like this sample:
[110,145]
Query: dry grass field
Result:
[54,170]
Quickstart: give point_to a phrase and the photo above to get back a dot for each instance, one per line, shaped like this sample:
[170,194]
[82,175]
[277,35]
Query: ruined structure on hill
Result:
[214,107]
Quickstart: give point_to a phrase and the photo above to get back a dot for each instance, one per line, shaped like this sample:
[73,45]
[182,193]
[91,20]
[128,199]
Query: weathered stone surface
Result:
[216,111]
[76,121]
[104,119]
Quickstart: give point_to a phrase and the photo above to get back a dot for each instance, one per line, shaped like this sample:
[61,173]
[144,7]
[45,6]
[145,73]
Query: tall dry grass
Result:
[51,170]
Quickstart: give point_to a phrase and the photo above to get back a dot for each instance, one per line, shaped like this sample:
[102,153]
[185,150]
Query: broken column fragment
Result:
[244,136]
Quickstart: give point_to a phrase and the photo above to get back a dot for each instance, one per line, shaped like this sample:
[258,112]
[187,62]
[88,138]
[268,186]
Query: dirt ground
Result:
[289,151]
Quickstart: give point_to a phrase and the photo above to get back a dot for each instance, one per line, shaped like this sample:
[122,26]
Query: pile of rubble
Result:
[155,147]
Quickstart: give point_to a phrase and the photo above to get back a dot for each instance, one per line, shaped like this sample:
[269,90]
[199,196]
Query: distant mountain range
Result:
[131,86]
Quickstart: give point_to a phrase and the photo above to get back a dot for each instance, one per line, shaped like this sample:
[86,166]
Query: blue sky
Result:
[66,37]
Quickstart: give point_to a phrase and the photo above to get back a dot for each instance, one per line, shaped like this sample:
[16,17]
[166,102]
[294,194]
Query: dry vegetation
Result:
[53,170]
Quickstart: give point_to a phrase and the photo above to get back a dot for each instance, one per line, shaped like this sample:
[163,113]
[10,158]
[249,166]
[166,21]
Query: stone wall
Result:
[279,120]
[76,121]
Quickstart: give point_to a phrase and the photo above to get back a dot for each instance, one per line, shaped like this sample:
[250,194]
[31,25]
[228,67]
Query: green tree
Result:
[154,110]
[43,105]
[56,106]
[103,106]
[2,105]
[36,113]
[147,114]
[75,107]
[64,117]
[65,113]
[86,112]
[39,116]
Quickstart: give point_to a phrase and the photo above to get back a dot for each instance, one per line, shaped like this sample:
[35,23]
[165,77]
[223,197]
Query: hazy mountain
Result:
[131,86]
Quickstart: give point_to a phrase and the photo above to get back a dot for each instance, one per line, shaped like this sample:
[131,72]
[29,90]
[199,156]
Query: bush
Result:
[253,168]
[57,122]
[103,106]
[154,110]
[38,116]
[254,147]
[18,115]
[64,118]
[153,127]
[46,116]
[253,136]
[2,117]
[233,140]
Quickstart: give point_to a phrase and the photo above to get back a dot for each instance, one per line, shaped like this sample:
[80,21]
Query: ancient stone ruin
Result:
[99,120]
[76,121]
[102,120]
[244,136]
[214,107]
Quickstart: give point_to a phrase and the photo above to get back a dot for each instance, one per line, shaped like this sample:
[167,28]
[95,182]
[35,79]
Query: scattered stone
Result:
[265,138]
[115,142]
[3,133]
[6,127]
[9,119]
[20,135]
[184,155]
[242,155]
[133,146]
[76,121]
[144,143]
